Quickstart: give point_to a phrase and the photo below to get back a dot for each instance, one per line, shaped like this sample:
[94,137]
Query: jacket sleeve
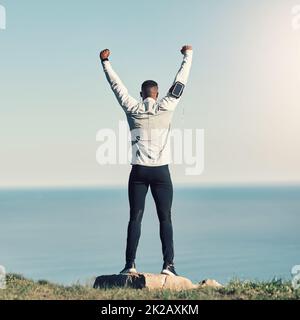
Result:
[169,103]
[125,100]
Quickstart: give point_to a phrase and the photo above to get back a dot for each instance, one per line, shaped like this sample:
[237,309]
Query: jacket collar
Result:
[149,99]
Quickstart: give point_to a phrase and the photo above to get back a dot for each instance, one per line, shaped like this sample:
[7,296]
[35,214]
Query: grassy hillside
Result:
[20,288]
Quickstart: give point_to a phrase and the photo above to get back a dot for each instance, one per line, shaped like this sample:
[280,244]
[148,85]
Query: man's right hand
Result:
[104,54]
[185,48]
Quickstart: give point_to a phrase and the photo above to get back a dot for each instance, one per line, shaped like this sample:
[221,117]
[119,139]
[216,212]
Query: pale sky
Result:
[243,88]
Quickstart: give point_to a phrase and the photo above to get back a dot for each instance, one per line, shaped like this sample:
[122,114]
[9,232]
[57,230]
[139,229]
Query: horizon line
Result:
[266,184]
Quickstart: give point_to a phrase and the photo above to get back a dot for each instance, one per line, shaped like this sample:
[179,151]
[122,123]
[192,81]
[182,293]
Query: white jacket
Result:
[150,120]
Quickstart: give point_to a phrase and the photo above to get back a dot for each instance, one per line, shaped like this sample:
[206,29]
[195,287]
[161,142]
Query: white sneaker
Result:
[169,269]
[129,268]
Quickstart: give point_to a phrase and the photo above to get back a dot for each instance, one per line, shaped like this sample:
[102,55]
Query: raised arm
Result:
[125,100]
[169,102]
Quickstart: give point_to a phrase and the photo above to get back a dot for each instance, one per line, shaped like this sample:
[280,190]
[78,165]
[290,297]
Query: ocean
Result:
[69,236]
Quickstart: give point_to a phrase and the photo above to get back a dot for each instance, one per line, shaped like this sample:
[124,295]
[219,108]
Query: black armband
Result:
[177,89]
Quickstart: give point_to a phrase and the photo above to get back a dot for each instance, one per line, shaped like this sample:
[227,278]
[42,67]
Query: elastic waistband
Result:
[143,166]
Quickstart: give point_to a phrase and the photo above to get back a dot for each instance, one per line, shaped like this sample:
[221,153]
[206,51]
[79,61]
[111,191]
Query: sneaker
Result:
[129,268]
[169,269]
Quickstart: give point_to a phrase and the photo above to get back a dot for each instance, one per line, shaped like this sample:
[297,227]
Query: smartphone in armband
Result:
[177,89]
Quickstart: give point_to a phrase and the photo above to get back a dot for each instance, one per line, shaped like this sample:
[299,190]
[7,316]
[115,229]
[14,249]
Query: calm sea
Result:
[72,235]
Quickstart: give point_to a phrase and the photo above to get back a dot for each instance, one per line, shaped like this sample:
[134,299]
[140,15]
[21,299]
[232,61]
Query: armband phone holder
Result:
[177,89]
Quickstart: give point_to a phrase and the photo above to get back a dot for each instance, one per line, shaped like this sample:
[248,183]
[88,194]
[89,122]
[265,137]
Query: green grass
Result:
[21,288]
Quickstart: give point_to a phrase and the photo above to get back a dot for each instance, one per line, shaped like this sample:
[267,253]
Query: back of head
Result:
[149,89]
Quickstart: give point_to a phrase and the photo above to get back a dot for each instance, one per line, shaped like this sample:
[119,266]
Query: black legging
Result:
[161,186]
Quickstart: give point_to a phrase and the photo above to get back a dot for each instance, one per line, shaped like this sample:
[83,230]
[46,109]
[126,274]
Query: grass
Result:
[20,288]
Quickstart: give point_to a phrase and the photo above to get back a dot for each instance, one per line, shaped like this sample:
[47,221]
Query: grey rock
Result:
[150,281]
[210,283]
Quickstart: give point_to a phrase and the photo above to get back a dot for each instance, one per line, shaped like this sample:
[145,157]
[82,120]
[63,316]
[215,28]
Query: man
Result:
[150,121]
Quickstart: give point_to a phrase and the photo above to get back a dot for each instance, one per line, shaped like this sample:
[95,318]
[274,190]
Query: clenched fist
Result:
[185,48]
[104,54]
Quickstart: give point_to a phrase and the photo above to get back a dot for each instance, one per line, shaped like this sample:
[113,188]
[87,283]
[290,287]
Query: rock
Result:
[144,280]
[209,283]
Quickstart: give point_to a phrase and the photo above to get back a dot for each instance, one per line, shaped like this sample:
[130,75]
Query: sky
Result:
[243,89]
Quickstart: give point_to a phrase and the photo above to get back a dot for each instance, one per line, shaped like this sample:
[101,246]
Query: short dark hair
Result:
[149,84]
[147,87]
